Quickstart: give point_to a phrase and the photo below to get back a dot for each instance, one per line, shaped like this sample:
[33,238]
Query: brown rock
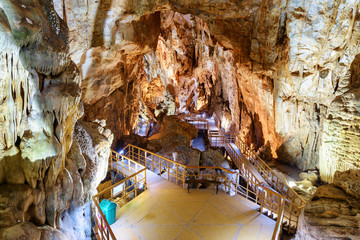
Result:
[21,231]
[349,181]
[330,214]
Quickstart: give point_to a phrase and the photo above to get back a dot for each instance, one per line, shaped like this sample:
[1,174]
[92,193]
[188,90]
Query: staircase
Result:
[253,171]
[254,180]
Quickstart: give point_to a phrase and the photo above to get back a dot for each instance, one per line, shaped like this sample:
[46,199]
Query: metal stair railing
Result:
[293,204]
[254,190]
[121,192]
[136,158]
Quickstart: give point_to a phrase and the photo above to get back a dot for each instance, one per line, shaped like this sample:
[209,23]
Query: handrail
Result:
[172,161]
[102,222]
[293,201]
[102,227]
[272,171]
[140,155]
[178,173]
[147,158]
[273,202]
[280,209]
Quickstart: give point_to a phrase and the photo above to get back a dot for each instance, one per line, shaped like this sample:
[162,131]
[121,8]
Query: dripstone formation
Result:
[78,76]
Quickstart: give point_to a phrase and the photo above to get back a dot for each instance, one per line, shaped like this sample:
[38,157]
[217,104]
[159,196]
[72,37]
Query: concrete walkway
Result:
[167,211]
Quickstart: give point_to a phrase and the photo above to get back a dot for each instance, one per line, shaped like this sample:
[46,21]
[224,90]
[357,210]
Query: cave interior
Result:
[120,100]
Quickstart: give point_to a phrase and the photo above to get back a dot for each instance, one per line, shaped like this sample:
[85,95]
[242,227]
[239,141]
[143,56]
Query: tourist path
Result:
[167,211]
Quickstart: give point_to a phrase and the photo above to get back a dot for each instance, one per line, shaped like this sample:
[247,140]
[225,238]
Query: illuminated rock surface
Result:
[334,210]
[278,72]
[40,105]
[270,70]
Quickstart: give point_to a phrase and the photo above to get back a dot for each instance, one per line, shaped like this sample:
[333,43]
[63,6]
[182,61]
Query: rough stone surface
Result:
[260,61]
[40,106]
[171,138]
[333,212]
[349,181]
[283,72]
[211,157]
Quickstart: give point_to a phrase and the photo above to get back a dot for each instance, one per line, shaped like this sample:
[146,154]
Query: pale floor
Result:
[166,211]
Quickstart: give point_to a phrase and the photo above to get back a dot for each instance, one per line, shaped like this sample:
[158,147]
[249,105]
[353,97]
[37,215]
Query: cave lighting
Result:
[292,184]
[203,115]
[121,152]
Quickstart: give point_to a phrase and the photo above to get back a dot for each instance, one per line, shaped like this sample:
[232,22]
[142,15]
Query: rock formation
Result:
[258,65]
[334,210]
[47,170]
[281,73]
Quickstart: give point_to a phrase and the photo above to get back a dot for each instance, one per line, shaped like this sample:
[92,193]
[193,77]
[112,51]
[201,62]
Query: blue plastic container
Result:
[109,209]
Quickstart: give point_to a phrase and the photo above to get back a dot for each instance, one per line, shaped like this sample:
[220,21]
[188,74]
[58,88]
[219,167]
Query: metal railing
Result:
[271,202]
[136,160]
[293,204]
[199,123]
[121,192]
[176,172]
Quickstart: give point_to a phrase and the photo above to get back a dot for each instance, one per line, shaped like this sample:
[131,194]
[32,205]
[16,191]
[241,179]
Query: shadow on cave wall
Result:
[99,24]
[255,136]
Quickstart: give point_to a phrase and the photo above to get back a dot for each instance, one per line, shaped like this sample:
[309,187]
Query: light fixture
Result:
[203,115]
[121,152]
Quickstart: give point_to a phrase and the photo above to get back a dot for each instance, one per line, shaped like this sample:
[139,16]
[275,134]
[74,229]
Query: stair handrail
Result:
[105,232]
[252,178]
[117,158]
[268,169]
[296,202]
[295,196]
[280,213]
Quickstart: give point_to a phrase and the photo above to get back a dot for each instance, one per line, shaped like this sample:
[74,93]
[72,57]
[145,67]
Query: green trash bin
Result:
[109,209]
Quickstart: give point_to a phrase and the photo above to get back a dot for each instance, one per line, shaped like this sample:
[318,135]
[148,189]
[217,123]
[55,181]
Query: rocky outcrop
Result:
[340,150]
[334,210]
[40,107]
[171,138]
[282,72]
[211,157]
[260,61]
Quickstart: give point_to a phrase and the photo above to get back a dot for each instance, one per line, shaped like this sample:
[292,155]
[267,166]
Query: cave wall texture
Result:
[50,163]
[274,71]
[284,72]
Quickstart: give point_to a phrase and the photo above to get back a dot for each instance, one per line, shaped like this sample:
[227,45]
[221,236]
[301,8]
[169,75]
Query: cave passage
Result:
[109,110]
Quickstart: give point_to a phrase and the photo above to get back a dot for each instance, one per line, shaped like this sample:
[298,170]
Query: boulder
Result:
[333,212]
[211,157]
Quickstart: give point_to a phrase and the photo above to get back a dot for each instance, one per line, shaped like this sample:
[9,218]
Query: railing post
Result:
[136,183]
[227,190]
[160,165]
[184,170]
[237,182]
[177,174]
[145,182]
[261,200]
[145,154]
[168,171]
[125,191]
[152,162]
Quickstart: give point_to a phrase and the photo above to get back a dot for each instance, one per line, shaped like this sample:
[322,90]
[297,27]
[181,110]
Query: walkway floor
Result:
[167,211]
